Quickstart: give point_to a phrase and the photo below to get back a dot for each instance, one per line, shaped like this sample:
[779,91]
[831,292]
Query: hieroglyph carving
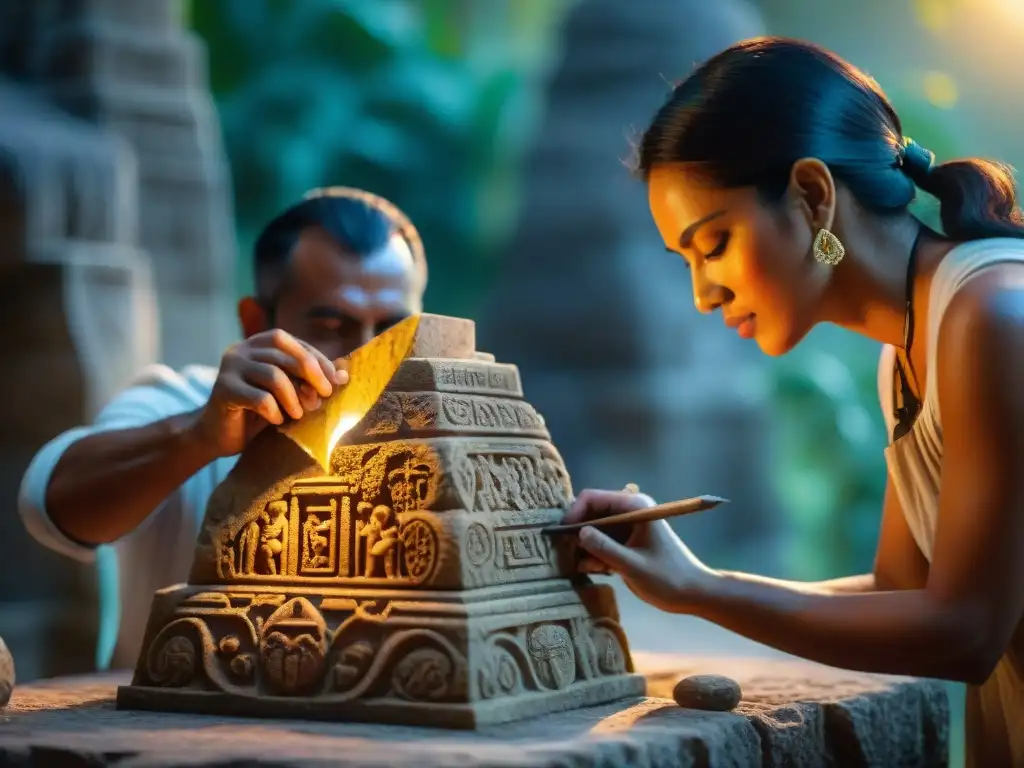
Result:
[469,377]
[314,533]
[444,473]
[513,480]
[428,413]
[457,377]
[523,548]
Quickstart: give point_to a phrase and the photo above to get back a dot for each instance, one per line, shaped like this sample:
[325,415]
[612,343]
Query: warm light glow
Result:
[344,425]
[934,15]
[940,90]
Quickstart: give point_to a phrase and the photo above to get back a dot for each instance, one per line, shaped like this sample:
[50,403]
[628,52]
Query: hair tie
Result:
[915,160]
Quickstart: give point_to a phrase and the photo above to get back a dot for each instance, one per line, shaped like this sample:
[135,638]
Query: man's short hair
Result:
[361,222]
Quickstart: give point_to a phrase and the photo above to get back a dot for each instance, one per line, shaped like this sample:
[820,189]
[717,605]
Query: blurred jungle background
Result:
[143,145]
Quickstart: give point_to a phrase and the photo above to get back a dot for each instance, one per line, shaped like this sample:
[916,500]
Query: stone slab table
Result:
[792,714]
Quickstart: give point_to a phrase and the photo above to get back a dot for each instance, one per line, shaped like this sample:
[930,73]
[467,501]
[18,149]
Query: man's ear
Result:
[813,189]
[252,316]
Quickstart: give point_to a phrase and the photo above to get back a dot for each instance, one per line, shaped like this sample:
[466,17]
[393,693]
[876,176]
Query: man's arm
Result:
[106,484]
[72,493]
[96,485]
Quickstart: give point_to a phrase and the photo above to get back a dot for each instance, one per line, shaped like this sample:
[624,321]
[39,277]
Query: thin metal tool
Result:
[657,512]
[370,368]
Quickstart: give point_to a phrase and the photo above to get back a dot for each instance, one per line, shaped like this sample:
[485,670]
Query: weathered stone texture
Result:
[410,585]
[794,714]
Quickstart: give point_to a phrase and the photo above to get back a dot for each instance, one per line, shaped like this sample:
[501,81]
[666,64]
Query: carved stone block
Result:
[418,414]
[410,585]
[460,377]
[443,336]
[448,659]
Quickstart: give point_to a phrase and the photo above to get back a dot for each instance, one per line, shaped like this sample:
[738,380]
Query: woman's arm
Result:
[899,563]
[958,623]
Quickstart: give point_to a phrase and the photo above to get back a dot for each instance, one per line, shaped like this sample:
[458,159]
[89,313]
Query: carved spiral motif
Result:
[500,677]
[423,675]
[175,663]
[458,410]
[352,663]
[242,667]
[420,549]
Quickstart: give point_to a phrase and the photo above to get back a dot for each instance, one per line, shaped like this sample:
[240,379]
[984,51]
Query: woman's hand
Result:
[653,561]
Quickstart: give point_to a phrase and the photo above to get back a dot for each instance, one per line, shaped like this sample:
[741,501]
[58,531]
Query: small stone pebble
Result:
[714,693]
[6,674]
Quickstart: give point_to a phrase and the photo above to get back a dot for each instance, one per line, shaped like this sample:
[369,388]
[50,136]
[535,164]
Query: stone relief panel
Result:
[335,649]
[325,529]
[421,414]
[447,473]
[444,513]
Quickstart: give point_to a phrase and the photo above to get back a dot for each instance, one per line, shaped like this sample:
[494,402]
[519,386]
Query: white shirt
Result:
[995,709]
[915,461]
[159,552]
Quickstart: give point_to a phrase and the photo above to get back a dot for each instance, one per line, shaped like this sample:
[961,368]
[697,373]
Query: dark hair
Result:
[359,221]
[748,113]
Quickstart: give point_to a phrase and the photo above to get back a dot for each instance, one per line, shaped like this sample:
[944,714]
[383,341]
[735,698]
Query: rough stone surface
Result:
[7,677]
[714,693]
[793,714]
[444,336]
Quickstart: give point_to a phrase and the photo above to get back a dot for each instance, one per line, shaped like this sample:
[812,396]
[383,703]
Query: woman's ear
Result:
[252,316]
[813,189]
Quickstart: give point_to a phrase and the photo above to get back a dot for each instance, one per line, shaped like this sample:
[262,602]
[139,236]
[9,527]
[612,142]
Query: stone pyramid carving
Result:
[411,585]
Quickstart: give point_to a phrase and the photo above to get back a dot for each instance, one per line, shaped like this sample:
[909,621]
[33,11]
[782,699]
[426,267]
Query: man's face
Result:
[337,300]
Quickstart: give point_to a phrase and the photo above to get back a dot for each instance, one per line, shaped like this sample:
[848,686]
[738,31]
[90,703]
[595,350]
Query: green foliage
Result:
[430,104]
[831,471]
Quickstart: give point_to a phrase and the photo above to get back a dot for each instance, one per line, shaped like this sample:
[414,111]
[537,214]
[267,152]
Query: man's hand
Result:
[264,380]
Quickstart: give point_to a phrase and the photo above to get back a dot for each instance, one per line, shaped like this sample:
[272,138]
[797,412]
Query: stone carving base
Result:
[453,659]
[793,714]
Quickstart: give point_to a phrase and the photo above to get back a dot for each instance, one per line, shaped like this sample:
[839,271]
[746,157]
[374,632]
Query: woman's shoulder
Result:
[953,286]
[963,263]
[967,258]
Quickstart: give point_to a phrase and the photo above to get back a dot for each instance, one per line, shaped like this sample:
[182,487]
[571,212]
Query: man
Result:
[331,272]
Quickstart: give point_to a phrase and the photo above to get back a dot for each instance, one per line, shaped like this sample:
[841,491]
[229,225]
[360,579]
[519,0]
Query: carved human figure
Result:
[248,546]
[273,537]
[314,541]
[380,538]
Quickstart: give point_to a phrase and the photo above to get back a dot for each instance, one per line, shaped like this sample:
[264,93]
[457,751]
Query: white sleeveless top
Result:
[915,461]
[994,715]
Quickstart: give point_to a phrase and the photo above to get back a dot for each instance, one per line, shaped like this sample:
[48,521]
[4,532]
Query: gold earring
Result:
[827,248]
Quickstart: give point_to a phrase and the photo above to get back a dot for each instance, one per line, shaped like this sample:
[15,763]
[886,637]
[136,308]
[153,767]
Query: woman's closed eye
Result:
[719,249]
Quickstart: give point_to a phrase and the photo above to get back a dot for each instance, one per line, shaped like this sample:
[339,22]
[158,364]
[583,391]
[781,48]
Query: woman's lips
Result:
[745,325]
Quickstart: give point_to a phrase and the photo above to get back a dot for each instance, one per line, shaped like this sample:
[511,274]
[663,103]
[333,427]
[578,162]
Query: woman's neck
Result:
[867,293]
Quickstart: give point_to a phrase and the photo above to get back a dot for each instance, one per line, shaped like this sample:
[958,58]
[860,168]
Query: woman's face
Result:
[750,260]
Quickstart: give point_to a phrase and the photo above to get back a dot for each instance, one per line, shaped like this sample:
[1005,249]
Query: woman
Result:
[781,176]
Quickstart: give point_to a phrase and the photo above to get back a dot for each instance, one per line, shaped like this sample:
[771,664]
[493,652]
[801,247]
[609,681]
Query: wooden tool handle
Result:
[647,514]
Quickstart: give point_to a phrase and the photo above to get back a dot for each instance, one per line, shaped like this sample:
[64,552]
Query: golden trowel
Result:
[370,368]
